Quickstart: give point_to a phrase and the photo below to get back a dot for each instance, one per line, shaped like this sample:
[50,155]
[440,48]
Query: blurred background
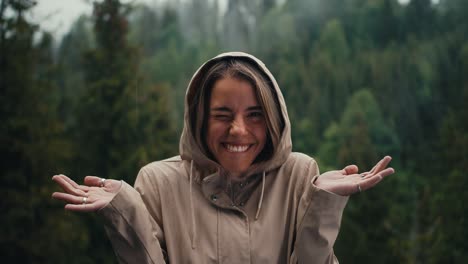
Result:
[102,94]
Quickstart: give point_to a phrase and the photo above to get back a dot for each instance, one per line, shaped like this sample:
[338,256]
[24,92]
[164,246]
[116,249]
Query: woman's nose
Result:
[238,127]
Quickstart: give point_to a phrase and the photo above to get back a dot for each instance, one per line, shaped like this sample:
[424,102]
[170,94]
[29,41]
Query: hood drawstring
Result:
[261,197]
[193,234]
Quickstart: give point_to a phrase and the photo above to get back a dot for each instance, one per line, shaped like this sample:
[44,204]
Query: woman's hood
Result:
[190,150]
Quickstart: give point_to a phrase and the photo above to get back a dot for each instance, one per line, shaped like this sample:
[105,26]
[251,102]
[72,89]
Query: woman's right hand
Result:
[94,195]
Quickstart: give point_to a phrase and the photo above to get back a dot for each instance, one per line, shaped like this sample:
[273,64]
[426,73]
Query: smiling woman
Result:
[236,193]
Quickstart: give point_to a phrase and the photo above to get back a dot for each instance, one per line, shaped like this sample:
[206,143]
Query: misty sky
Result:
[56,16]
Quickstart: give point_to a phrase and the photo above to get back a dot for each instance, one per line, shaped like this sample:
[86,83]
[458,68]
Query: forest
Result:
[361,78]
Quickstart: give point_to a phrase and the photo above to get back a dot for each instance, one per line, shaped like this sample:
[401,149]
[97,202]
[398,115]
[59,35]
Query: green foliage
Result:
[361,137]
[381,225]
[119,112]
[448,240]
[32,142]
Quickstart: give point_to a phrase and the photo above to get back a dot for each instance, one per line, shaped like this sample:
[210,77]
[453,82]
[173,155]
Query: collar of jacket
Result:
[214,186]
[220,191]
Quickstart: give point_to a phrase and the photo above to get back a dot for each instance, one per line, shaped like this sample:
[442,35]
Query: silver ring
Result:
[84,200]
[101,182]
[362,175]
[359,187]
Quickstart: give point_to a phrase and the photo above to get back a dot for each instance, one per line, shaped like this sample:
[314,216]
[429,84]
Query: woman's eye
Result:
[222,117]
[256,115]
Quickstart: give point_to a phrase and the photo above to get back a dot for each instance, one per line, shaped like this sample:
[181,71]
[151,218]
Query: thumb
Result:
[350,169]
[93,181]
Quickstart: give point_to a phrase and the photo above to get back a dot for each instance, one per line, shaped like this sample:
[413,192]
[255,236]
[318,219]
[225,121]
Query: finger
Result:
[82,207]
[68,185]
[381,165]
[371,181]
[373,168]
[64,180]
[69,198]
[368,183]
[382,173]
[386,172]
[94,181]
[350,169]
[67,179]
[78,186]
[385,161]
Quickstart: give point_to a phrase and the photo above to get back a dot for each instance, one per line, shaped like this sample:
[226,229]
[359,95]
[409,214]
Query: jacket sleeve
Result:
[133,232]
[318,222]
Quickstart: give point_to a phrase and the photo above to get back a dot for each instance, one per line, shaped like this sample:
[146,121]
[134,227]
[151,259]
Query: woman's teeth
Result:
[233,148]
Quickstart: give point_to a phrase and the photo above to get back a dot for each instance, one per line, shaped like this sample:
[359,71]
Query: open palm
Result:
[94,195]
[348,181]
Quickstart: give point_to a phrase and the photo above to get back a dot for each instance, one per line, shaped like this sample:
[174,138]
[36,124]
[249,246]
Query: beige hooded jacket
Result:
[183,209]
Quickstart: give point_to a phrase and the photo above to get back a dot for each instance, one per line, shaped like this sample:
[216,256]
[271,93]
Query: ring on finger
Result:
[84,200]
[101,182]
[362,175]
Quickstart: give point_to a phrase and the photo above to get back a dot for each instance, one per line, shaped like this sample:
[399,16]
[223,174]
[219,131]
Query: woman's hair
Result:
[245,70]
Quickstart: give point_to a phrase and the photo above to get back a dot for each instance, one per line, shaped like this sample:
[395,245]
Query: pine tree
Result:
[448,203]
[122,122]
[420,18]
[32,144]
[362,137]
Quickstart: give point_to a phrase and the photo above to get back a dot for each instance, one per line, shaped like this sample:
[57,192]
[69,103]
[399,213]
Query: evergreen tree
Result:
[447,241]
[70,66]
[122,121]
[326,79]
[32,145]
[362,137]
[377,25]
[420,18]
[117,121]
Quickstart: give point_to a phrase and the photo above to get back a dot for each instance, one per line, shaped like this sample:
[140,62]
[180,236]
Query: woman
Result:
[236,193]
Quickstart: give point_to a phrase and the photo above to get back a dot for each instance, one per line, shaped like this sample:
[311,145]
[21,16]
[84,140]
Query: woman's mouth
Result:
[236,148]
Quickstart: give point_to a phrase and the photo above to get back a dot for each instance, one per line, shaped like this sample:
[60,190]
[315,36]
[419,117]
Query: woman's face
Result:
[236,125]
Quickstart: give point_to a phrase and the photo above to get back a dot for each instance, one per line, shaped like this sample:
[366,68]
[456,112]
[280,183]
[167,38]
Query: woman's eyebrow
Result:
[227,109]
[221,109]
[254,108]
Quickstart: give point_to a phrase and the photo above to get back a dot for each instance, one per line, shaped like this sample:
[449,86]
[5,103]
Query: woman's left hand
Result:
[348,181]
